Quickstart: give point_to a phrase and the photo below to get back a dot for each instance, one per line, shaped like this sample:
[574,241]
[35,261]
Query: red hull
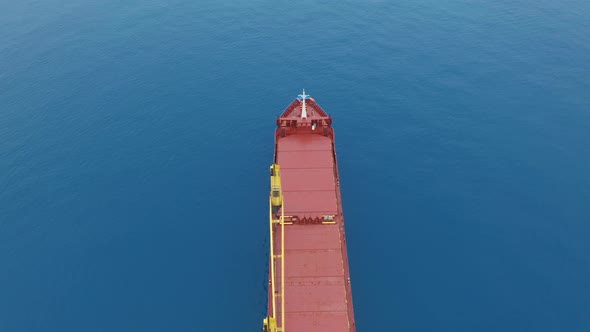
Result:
[317,289]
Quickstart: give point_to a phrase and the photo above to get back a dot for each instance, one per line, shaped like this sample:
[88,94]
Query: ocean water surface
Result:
[135,140]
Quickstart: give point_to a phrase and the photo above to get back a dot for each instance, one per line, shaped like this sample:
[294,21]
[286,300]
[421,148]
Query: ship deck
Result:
[317,281]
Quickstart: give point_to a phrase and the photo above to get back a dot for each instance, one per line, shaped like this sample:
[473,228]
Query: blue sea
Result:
[135,140]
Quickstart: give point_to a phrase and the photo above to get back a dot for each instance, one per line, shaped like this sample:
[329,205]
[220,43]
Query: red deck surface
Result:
[317,283]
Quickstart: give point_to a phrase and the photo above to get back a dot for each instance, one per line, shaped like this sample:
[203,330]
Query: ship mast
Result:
[303,108]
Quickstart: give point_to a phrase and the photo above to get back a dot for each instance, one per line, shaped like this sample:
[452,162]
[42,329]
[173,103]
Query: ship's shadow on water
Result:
[135,141]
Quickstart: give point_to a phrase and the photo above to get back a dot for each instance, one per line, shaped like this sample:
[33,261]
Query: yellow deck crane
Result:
[276,194]
[270,324]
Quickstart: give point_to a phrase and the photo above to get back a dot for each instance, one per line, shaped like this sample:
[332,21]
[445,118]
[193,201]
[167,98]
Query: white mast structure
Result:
[303,108]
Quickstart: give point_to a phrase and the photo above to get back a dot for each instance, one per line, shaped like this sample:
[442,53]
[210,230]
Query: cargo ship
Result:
[309,279]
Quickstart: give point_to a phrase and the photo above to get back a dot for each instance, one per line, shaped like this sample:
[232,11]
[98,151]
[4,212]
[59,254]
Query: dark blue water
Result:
[135,139]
